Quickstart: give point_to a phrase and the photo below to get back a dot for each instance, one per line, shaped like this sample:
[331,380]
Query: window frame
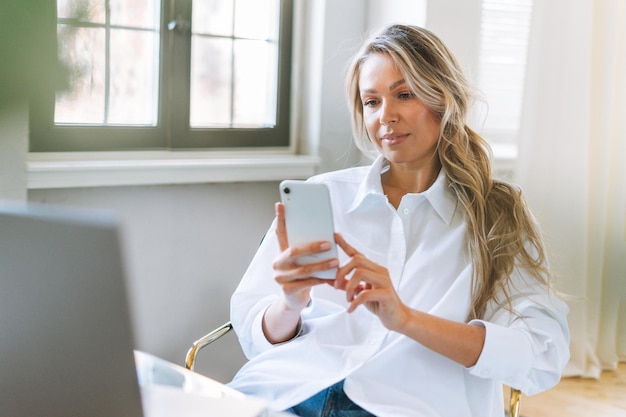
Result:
[172,130]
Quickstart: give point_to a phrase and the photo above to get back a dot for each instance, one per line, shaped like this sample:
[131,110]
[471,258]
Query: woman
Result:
[442,292]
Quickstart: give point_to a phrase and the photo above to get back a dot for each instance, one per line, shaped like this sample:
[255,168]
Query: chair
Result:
[190,361]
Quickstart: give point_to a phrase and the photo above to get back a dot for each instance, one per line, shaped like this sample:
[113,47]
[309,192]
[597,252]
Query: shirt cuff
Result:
[506,354]
[259,340]
[258,337]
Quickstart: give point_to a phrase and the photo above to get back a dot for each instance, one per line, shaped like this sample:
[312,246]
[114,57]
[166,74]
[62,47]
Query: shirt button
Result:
[405,211]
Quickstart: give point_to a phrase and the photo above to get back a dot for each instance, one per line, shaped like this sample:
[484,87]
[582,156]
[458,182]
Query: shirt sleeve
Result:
[526,348]
[255,292]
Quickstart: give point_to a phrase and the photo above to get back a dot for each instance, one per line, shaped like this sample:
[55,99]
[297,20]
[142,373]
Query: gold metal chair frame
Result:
[190,361]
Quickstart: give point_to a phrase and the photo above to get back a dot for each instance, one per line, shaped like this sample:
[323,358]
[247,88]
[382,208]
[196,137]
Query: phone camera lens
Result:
[286,190]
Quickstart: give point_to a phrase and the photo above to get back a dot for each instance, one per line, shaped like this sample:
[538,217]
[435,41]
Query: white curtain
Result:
[572,166]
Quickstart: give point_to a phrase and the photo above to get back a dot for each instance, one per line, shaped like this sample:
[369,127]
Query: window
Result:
[504,36]
[148,74]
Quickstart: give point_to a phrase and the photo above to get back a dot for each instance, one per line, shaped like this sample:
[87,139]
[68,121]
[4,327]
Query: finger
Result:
[300,284]
[281,228]
[289,258]
[312,248]
[296,272]
[349,250]
[344,272]
[364,297]
[360,261]
[357,283]
[356,263]
[358,290]
[340,279]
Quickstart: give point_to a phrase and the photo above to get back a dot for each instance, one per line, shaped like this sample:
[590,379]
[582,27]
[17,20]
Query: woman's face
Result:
[401,127]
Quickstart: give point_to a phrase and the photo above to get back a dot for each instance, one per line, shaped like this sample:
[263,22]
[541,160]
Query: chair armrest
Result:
[190,359]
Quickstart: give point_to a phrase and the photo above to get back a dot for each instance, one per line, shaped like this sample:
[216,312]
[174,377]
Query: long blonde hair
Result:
[501,229]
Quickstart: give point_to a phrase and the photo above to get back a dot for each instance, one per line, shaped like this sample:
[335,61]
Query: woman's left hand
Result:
[368,283]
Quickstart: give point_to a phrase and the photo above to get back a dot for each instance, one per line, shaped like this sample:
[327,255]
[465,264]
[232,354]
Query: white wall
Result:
[383,12]
[187,247]
[13,147]
[457,23]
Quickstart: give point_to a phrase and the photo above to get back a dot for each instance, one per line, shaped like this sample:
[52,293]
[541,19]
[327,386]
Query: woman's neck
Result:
[398,181]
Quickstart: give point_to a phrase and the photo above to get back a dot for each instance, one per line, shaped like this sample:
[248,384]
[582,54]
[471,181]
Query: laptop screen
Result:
[66,345]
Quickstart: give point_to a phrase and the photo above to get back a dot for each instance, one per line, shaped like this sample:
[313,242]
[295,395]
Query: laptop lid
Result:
[66,345]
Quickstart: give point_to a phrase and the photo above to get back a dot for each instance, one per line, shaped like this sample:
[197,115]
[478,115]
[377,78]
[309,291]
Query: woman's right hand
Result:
[296,280]
[282,318]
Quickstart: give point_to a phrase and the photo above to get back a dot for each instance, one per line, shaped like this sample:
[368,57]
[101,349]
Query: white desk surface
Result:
[170,390]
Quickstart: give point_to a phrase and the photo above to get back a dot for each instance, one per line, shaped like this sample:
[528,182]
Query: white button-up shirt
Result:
[423,245]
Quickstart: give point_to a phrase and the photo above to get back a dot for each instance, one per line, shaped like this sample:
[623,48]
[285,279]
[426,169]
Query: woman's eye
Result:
[405,96]
[369,103]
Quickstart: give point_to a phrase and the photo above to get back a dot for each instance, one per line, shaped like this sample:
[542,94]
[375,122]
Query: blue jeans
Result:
[331,402]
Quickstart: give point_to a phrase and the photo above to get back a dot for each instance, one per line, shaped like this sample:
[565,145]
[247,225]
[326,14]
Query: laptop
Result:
[66,345]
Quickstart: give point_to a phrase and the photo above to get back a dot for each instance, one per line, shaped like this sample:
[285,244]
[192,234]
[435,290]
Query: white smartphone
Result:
[309,218]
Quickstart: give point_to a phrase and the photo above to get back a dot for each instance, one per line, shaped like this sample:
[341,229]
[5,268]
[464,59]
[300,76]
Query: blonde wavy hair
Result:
[502,233]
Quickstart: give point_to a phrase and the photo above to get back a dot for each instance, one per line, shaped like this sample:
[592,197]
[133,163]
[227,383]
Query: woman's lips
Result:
[393,139]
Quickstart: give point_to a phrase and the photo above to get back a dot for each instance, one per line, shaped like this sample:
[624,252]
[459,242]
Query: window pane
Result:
[134,77]
[82,10]
[83,51]
[255,84]
[135,13]
[256,19]
[211,80]
[234,86]
[115,72]
[213,17]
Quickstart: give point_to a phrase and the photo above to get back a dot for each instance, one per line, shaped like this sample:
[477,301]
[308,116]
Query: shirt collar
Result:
[371,186]
[440,195]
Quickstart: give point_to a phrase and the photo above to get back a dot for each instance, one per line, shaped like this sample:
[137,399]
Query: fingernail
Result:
[325,246]
[333,263]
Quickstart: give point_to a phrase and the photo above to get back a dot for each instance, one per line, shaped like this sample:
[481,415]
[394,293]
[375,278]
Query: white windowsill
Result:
[100,169]
[110,169]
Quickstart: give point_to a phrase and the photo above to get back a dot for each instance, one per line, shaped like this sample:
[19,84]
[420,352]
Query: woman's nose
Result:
[388,114]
